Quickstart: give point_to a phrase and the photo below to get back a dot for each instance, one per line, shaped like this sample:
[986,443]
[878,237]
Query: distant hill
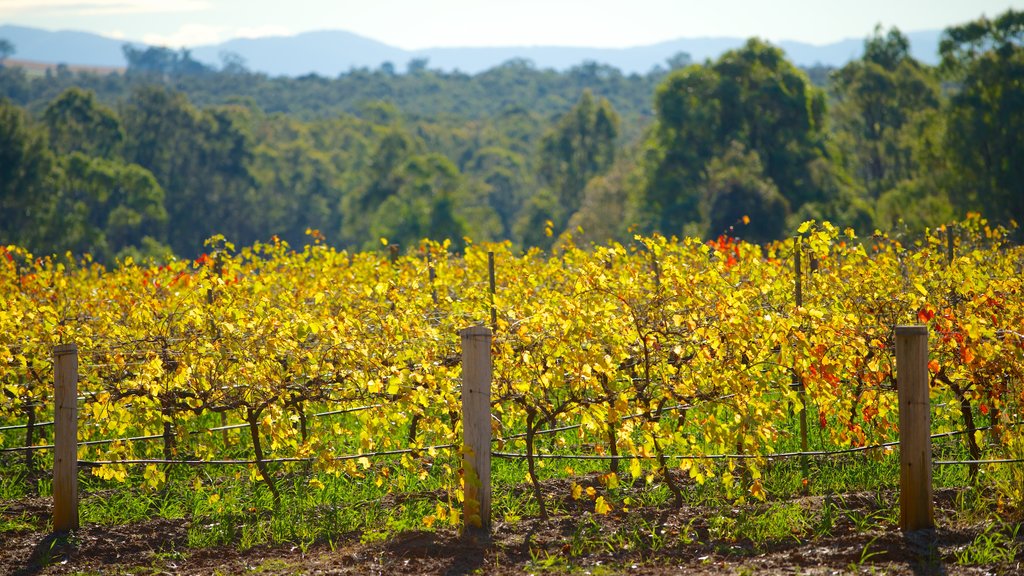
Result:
[329,53]
[64,47]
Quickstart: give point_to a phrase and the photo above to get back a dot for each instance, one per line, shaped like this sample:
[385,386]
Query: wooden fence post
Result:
[950,242]
[432,276]
[802,392]
[493,288]
[798,272]
[916,510]
[476,429]
[65,453]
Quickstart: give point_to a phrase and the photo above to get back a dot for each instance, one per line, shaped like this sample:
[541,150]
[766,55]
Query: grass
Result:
[228,506]
[232,509]
[866,554]
[998,543]
[24,521]
[12,485]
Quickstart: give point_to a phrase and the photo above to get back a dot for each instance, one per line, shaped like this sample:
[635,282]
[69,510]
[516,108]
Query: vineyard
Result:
[695,369]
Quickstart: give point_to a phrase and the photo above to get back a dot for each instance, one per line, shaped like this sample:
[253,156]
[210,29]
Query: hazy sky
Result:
[415,24]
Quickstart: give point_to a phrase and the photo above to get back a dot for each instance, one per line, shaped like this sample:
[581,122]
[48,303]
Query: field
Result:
[719,406]
[41,68]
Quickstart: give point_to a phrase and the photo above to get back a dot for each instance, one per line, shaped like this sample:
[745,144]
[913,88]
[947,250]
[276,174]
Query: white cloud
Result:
[188,35]
[92,7]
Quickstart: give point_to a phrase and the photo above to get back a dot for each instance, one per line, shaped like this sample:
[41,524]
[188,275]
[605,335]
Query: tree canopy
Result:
[158,159]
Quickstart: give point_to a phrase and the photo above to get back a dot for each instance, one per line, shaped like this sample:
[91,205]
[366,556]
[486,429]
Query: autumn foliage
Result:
[655,348]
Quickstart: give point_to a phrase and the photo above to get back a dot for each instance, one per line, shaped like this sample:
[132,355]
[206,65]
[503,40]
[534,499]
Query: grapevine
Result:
[634,351]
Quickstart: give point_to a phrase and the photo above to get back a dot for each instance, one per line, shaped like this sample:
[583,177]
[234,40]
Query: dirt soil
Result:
[528,546]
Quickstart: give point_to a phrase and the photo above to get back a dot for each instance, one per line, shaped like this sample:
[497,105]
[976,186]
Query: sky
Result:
[415,24]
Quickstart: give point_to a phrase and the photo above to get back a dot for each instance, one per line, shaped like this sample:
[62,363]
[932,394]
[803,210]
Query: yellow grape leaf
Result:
[154,477]
[634,468]
[577,491]
[601,507]
[757,491]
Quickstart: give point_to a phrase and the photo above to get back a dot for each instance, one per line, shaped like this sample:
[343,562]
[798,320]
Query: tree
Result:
[736,188]
[162,62]
[6,50]
[200,158]
[769,105]
[986,115]
[534,228]
[295,191]
[159,126]
[579,147]
[105,207]
[889,51]
[753,96]
[880,100]
[384,177]
[26,172]
[503,174]
[679,60]
[606,211]
[417,66]
[425,204]
[77,123]
[682,141]
[232,63]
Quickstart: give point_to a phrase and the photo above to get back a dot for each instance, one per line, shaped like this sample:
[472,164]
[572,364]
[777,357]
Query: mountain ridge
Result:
[333,52]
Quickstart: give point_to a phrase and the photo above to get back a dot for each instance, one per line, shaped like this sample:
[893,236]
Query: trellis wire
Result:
[160,436]
[378,454]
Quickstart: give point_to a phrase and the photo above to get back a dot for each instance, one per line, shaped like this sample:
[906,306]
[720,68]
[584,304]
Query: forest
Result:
[152,162]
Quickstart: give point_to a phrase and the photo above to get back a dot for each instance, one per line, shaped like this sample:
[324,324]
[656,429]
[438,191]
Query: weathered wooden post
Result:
[476,430]
[916,511]
[65,441]
[432,276]
[798,274]
[493,288]
[950,242]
